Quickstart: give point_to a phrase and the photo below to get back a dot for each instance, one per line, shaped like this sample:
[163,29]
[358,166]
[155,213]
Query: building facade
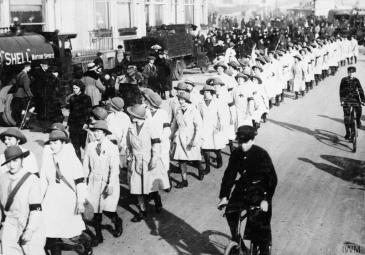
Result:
[102,24]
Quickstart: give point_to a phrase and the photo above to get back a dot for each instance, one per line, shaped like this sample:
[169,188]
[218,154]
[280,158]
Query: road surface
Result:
[318,207]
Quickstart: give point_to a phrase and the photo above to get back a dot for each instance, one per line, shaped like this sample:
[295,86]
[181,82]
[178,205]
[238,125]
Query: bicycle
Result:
[234,248]
[353,126]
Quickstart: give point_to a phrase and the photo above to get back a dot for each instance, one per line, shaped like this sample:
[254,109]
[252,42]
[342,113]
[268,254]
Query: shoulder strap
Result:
[12,194]
[60,175]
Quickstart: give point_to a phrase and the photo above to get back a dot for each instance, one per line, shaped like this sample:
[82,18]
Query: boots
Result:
[118,225]
[296,95]
[311,85]
[347,136]
[264,117]
[207,161]
[306,87]
[302,93]
[158,202]
[200,171]
[277,102]
[140,216]
[282,97]
[52,245]
[82,244]
[97,225]
[182,184]
[219,158]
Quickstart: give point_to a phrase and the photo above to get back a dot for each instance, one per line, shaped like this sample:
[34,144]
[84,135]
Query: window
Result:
[159,17]
[174,11]
[29,13]
[124,14]
[189,11]
[102,14]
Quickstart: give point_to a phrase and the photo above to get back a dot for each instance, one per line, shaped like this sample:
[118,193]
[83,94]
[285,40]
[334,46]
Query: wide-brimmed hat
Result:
[214,81]
[181,86]
[184,95]
[131,70]
[117,103]
[190,82]
[91,66]
[137,111]
[245,133]
[298,57]
[220,63]
[99,113]
[14,132]
[261,60]
[258,67]
[145,90]
[60,127]
[241,75]
[101,125]
[231,44]
[55,135]
[14,152]
[207,88]
[257,78]
[154,99]
[234,64]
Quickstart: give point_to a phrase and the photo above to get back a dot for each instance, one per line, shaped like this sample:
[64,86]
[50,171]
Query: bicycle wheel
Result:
[232,249]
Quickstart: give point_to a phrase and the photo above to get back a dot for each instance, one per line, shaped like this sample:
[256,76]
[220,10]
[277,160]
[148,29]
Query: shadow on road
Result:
[347,169]
[180,235]
[332,139]
[293,127]
[340,120]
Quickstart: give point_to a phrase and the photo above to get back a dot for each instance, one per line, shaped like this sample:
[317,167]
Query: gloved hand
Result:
[264,205]
[222,203]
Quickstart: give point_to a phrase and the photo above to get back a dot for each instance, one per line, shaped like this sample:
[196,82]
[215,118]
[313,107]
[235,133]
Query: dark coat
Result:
[164,73]
[151,77]
[351,90]
[80,107]
[23,86]
[257,182]
[52,99]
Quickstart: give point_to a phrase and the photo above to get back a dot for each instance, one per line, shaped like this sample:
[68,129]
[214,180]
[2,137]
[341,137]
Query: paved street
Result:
[318,207]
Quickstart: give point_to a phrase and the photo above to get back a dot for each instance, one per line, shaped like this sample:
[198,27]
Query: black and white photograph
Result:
[182,127]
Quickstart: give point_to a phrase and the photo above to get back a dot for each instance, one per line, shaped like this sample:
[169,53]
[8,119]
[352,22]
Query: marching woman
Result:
[101,167]
[242,102]
[299,78]
[22,231]
[146,172]
[186,137]
[261,100]
[213,138]
[64,190]
[118,123]
[160,121]
[225,100]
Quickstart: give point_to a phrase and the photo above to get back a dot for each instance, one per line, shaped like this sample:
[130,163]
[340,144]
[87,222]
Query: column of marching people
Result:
[44,206]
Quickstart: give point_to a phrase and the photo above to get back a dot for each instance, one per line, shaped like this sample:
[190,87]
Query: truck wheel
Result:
[7,111]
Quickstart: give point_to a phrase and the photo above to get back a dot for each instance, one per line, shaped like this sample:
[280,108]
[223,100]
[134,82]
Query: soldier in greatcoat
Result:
[255,187]
[22,228]
[101,168]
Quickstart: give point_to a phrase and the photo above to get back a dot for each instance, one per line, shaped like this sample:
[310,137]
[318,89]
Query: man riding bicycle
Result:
[351,94]
[255,187]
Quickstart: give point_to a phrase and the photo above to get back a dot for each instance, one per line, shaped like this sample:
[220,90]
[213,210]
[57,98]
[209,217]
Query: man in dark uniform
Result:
[22,95]
[255,187]
[351,94]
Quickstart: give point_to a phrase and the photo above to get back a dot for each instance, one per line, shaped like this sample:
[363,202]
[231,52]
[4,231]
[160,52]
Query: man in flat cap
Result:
[255,188]
[351,94]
